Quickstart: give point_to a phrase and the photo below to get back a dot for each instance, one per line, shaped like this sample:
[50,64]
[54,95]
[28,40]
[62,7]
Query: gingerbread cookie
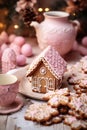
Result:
[50,94]
[79,90]
[40,112]
[53,120]
[83,97]
[84,67]
[74,78]
[57,100]
[83,83]
[79,125]
[69,119]
[75,123]
[83,62]
[73,68]
[79,105]
[75,114]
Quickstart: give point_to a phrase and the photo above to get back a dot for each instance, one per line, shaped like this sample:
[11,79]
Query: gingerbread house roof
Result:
[52,60]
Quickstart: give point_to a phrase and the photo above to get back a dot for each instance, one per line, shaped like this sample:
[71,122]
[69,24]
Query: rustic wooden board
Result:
[3,120]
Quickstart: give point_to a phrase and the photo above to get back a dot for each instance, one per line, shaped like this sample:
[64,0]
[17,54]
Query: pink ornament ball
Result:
[4,36]
[19,40]
[84,41]
[11,37]
[26,50]
[21,60]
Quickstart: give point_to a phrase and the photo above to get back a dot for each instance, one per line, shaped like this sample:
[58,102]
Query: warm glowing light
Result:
[1,25]
[6,12]
[74,14]
[46,9]
[40,9]
[16,26]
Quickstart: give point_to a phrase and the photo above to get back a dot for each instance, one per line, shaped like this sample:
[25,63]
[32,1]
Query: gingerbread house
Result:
[46,71]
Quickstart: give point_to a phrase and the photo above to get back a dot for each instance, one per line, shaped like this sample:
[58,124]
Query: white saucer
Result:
[25,88]
[15,106]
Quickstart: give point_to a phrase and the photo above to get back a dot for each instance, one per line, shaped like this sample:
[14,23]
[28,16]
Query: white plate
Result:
[26,89]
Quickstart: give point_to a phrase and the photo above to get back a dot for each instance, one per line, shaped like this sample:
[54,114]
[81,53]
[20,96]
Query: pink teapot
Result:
[56,30]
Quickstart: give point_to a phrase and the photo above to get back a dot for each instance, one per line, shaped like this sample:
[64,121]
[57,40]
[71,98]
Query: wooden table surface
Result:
[16,121]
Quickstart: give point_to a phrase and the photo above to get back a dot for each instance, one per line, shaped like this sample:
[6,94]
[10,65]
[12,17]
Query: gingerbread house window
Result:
[51,84]
[35,84]
[43,70]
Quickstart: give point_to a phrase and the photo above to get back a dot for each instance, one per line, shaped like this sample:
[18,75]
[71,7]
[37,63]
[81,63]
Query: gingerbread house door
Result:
[42,84]
[46,84]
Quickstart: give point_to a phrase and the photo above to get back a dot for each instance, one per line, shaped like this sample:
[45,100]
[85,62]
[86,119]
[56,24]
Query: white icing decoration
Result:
[43,70]
[49,84]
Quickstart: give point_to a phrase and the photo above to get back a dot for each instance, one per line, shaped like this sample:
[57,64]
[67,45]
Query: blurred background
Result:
[11,22]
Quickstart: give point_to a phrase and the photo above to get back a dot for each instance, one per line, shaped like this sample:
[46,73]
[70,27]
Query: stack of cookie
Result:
[61,106]
[77,76]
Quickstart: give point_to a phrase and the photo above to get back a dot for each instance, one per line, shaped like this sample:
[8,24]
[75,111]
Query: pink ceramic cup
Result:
[8,89]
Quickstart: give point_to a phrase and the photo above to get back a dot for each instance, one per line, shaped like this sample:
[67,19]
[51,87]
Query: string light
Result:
[1,25]
[6,12]
[40,9]
[46,9]
[74,14]
[16,26]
